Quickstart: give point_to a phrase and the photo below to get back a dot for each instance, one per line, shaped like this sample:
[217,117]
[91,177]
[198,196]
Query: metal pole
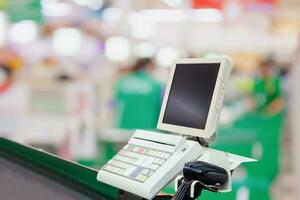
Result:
[295,116]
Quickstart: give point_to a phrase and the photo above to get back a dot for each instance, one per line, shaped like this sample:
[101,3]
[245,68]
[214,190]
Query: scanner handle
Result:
[182,191]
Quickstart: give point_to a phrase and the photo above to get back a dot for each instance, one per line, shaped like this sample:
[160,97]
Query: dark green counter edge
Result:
[53,165]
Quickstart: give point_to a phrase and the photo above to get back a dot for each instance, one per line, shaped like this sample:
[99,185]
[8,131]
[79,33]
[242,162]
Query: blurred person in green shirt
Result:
[137,96]
[267,91]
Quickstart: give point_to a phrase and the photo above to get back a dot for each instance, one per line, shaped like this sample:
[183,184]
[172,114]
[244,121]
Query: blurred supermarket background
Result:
[78,76]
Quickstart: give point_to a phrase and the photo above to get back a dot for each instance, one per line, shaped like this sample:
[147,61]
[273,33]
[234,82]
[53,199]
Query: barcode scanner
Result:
[197,176]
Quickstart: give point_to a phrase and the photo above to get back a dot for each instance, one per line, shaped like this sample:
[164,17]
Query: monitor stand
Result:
[203,142]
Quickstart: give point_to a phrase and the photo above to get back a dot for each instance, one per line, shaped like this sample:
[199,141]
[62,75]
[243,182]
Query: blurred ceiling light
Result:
[207,15]
[81,2]
[23,32]
[67,41]
[48,1]
[55,9]
[141,29]
[165,15]
[232,10]
[166,56]
[112,15]
[95,4]
[144,50]
[92,4]
[158,15]
[117,49]
[213,55]
[2,28]
[173,3]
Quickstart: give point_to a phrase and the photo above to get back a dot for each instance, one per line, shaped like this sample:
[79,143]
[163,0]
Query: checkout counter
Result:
[28,173]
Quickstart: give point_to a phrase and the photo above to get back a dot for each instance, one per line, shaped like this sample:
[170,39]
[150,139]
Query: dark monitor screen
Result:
[191,94]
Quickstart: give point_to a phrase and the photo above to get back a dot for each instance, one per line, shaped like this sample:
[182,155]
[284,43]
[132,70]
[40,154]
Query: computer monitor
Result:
[194,96]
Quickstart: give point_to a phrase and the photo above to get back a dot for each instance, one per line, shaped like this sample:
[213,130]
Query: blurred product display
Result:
[78,77]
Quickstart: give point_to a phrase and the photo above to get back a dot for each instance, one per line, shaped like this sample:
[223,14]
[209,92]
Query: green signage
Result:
[24,10]
[2,4]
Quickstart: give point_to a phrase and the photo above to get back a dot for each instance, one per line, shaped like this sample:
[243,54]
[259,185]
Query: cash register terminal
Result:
[189,114]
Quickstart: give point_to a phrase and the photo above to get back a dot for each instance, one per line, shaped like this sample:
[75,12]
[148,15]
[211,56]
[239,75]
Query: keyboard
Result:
[136,162]
[149,162]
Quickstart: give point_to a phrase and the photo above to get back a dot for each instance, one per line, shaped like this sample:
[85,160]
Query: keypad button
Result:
[159,161]
[154,167]
[147,172]
[137,163]
[142,178]
[136,172]
[148,161]
[127,147]
[140,160]
[166,155]
[129,170]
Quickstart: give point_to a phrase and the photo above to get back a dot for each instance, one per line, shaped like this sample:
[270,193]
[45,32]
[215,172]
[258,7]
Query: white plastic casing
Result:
[216,102]
[183,151]
[227,161]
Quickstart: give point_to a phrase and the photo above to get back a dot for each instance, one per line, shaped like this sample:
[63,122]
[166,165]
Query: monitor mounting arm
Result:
[204,142]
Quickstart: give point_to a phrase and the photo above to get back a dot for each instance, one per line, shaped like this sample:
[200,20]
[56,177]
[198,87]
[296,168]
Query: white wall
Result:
[197,36]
